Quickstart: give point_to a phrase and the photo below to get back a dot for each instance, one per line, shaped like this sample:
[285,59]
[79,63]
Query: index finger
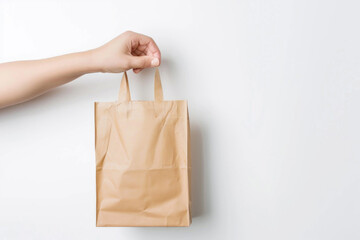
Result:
[149,46]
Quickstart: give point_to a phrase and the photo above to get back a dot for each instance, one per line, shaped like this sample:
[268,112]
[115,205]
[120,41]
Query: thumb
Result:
[143,61]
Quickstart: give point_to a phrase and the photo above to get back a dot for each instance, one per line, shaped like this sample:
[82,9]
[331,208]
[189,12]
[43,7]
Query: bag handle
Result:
[124,92]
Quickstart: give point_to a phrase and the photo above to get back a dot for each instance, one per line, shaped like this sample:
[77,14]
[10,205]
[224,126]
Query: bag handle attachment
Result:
[124,92]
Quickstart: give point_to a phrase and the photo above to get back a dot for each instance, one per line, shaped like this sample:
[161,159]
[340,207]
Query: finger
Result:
[147,45]
[137,70]
[153,50]
[143,62]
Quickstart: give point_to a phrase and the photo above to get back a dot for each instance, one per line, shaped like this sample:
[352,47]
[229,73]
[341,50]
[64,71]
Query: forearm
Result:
[23,80]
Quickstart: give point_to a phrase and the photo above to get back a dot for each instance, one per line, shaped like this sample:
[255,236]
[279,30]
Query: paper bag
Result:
[142,161]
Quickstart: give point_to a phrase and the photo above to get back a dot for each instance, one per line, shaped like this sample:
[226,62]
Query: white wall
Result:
[274,96]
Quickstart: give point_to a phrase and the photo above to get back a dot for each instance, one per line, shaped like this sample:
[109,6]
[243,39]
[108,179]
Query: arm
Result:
[23,80]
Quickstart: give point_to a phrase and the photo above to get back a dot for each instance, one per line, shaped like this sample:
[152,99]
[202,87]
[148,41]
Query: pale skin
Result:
[21,81]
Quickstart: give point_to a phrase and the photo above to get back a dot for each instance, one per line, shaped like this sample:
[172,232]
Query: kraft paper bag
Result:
[142,161]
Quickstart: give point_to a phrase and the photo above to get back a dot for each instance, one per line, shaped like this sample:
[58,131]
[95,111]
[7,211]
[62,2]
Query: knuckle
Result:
[128,33]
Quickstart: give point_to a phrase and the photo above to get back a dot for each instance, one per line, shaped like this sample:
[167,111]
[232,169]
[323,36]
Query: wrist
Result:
[92,61]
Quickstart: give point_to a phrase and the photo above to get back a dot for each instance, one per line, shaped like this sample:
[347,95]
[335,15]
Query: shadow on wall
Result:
[197,171]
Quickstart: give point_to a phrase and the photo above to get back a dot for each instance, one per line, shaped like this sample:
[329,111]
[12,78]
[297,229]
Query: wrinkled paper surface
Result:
[142,161]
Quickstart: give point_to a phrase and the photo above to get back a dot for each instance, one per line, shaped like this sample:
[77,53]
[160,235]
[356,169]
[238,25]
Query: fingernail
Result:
[155,62]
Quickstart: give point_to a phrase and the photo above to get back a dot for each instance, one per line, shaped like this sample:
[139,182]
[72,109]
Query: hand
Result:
[129,50]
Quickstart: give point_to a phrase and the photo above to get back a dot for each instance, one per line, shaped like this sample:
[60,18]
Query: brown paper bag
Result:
[142,161]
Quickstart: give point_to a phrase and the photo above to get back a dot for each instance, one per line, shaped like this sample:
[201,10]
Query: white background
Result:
[274,96]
